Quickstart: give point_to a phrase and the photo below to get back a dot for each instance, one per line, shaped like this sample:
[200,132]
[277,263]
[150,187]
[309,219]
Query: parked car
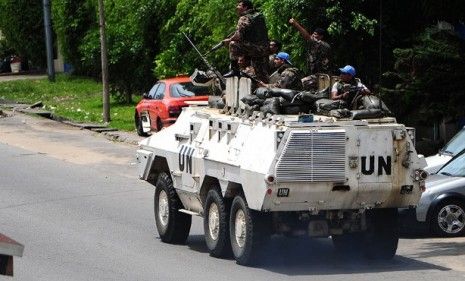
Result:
[161,106]
[441,210]
[452,148]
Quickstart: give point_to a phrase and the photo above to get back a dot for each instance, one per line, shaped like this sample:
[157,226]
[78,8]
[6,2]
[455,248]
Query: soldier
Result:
[319,51]
[341,88]
[275,48]
[286,76]
[250,39]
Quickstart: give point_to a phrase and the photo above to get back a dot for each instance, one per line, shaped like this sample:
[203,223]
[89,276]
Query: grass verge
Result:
[74,98]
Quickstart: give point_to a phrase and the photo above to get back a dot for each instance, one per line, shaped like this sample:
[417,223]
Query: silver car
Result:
[452,148]
[441,209]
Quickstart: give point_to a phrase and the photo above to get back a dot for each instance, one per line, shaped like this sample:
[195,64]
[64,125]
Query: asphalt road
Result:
[73,199]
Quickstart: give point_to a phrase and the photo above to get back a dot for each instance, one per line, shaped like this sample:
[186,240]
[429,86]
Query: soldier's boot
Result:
[234,70]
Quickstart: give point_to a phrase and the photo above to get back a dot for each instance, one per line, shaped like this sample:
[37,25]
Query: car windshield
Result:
[455,145]
[187,89]
[454,168]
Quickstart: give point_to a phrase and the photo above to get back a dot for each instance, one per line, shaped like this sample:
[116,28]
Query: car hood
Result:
[438,181]
[435,162]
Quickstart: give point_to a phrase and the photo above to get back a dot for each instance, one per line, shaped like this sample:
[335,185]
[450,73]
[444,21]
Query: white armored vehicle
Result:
[250,176]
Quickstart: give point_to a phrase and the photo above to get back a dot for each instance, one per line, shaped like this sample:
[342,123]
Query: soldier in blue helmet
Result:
[342,89]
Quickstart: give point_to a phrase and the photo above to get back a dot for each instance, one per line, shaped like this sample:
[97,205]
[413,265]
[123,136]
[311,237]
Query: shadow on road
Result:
[441,248]
[299,256]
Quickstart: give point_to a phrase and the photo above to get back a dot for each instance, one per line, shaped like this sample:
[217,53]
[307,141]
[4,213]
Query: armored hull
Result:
[284,173]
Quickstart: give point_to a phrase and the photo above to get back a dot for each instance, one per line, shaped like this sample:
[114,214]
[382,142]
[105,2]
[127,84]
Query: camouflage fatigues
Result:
[271,64]
[341,87]
[287,77]
[253,42]
[318,57]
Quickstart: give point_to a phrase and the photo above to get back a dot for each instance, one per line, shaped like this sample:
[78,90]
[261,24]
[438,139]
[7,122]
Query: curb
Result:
[109,133]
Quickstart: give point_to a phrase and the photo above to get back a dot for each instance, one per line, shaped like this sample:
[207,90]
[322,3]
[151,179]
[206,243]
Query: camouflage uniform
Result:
[289,78]
[341,86]
[318,57]
[253,42]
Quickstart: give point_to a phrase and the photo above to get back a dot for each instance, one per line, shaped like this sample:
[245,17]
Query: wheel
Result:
[159,125]
[248,231]
[173,226]
[448,219]
[348,243]
[139,129]
[381,238]
[216,224]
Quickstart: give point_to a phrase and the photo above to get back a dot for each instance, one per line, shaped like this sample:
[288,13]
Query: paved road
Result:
[72,197]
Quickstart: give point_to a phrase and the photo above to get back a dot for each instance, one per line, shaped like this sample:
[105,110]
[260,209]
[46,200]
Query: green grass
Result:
[74,98]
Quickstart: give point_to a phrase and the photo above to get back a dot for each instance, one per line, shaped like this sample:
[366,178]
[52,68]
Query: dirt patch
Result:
[56,140]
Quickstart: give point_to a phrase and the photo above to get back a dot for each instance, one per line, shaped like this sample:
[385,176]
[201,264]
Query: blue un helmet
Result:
[348,69]
[284,56]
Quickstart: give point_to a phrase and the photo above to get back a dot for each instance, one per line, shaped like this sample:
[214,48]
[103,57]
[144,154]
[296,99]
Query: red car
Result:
[164,102]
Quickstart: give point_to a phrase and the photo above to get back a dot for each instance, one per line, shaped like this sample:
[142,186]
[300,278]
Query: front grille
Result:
[313,156]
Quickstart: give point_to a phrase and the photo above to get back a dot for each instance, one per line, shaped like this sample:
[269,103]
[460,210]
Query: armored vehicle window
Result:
[160,92]
[188,89]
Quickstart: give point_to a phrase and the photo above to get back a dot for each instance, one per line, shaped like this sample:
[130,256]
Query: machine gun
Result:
[210,67]
[219,45]
[355,93]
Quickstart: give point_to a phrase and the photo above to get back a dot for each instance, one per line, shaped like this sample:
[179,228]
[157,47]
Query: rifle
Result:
[210,67]
[219,45]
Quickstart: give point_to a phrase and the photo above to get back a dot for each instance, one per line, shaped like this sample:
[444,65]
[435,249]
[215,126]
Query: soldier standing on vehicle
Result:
[275,48]
[319,51]
[250,39]
[286,76]
[340,90]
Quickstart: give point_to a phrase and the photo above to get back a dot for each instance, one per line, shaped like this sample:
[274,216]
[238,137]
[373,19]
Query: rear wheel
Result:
[382,236]
[216,224]
[173,226]
[159,125]
[348,243]
[248,230]
[139,128]
[448,219]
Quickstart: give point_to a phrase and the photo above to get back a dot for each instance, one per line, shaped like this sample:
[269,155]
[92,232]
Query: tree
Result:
[21,22]
[132,29]
[428,80]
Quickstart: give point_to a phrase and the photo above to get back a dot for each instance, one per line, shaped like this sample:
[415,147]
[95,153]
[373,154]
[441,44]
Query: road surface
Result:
[73,199]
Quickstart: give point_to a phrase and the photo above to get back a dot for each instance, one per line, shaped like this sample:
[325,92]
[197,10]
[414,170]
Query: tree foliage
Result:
[132,29]
[428,80]
[21,22]
[208,22]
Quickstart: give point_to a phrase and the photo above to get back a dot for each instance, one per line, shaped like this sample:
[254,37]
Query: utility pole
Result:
[103,49]
[48,41]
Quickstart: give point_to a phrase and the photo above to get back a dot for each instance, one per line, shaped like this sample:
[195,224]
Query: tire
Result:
[159,125]
[216,224]
[448,219]
[248,231]
[172,225]
[381,238]
[138,123]
[349,243]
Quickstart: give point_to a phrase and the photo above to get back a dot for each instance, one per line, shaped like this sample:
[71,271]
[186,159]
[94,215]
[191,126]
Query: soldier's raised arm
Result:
[301,29]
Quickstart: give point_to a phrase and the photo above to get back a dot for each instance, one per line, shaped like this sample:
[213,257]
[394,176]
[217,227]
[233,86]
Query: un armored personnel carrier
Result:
[251,175]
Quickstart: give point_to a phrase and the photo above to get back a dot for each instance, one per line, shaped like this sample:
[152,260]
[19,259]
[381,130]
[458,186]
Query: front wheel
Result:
[173,226]
[448,219]
[139,128]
